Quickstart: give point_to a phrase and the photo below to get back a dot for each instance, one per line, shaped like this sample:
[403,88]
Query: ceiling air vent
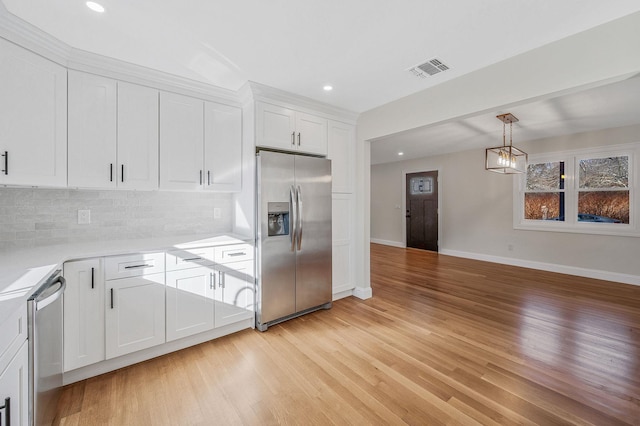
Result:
[431,67]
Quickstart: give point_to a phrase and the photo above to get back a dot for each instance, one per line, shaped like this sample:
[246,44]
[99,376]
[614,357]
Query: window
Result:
[589,191]
[544,193]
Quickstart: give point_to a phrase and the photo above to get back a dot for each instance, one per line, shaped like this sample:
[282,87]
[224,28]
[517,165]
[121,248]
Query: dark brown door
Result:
[422,210]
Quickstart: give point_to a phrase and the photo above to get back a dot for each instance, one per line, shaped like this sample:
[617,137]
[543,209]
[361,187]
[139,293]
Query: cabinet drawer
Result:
[233,253]
[13,332]
[191,258]
[133,265]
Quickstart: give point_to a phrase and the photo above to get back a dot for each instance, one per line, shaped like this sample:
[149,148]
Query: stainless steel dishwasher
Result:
[44,319]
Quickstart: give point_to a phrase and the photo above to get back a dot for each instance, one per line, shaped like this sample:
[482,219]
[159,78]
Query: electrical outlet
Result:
[217,213]
[84,217]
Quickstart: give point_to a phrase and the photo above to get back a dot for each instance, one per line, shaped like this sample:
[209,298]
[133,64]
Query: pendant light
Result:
[506,159]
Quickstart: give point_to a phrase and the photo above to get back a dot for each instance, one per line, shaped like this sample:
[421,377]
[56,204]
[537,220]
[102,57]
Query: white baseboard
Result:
[550,267]
[387,242]
[342,294]
[143,355]
[363,293]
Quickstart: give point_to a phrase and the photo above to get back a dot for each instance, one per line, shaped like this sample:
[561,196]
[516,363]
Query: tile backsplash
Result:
[36,216]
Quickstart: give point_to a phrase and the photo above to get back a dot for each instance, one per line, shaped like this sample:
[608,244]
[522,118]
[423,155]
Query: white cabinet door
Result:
[181,142]
[134,314]
[275,127]
[137,137]
[14,384]
[311,133]
[342,153]
[33,119]
[289,130]
[92,131]
[343,242]
[83,313]
[234,293]
[223,147]
[189,302]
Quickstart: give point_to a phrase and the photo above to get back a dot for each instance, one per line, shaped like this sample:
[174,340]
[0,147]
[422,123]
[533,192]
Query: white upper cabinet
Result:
[275,127]
[311,133]
[113,133]
[342,152]
[137,137]
[92,131]
[181,142]
[289,130]
[222,147]
[33,119]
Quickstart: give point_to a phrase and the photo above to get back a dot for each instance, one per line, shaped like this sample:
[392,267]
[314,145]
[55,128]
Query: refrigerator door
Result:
[276,252]
[313,244]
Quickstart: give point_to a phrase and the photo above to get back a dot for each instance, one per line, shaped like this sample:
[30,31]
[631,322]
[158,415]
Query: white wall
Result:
[589,59]
[476,214]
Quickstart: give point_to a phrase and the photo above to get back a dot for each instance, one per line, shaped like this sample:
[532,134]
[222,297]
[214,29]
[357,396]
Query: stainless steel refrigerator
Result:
[294,236]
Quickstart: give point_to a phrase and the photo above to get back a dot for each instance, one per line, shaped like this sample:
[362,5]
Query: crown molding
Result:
[44,44]
[268,94]
[81,60]
[32,38]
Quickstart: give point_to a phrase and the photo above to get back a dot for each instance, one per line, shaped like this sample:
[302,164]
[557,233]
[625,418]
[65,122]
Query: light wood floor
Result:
[443,341]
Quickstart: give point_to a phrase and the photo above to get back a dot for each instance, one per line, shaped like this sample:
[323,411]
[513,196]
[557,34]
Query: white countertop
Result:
[21,271]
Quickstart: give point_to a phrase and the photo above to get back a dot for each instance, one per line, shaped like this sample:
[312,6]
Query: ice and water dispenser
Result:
[278,220]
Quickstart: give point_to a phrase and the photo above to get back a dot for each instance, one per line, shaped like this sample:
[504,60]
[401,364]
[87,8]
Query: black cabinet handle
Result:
[208,177]
[6,162]
[7,411]
[92,283]
[111,172]
[238,253]
[111,291]
[145,265]
[122,173]
[298,138]
[200,177]
[293,138]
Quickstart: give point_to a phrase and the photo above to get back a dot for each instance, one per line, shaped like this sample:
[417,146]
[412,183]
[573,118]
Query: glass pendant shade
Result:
[506,159]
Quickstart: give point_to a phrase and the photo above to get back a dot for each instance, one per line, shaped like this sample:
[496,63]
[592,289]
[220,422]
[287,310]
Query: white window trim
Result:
[571,224]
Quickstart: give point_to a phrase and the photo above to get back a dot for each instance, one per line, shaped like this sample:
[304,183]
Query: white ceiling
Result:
[361,47]
[613,105]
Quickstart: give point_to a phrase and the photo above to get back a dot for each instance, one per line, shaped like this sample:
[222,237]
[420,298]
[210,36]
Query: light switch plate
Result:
[84,217]
[217,213]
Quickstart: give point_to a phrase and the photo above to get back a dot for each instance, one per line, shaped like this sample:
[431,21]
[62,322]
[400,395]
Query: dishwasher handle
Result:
[50,292]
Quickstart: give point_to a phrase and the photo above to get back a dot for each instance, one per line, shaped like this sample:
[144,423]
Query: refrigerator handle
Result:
[299,202]
[294,208]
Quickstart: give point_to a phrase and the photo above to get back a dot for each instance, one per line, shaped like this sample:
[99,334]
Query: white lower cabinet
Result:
[189,302]
[14,389]
[83,313]
[118,305]
[134,314]
[234,293]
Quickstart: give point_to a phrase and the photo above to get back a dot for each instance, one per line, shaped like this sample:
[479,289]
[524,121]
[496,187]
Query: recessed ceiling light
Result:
[327,88]
[401,153]
[95,6]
